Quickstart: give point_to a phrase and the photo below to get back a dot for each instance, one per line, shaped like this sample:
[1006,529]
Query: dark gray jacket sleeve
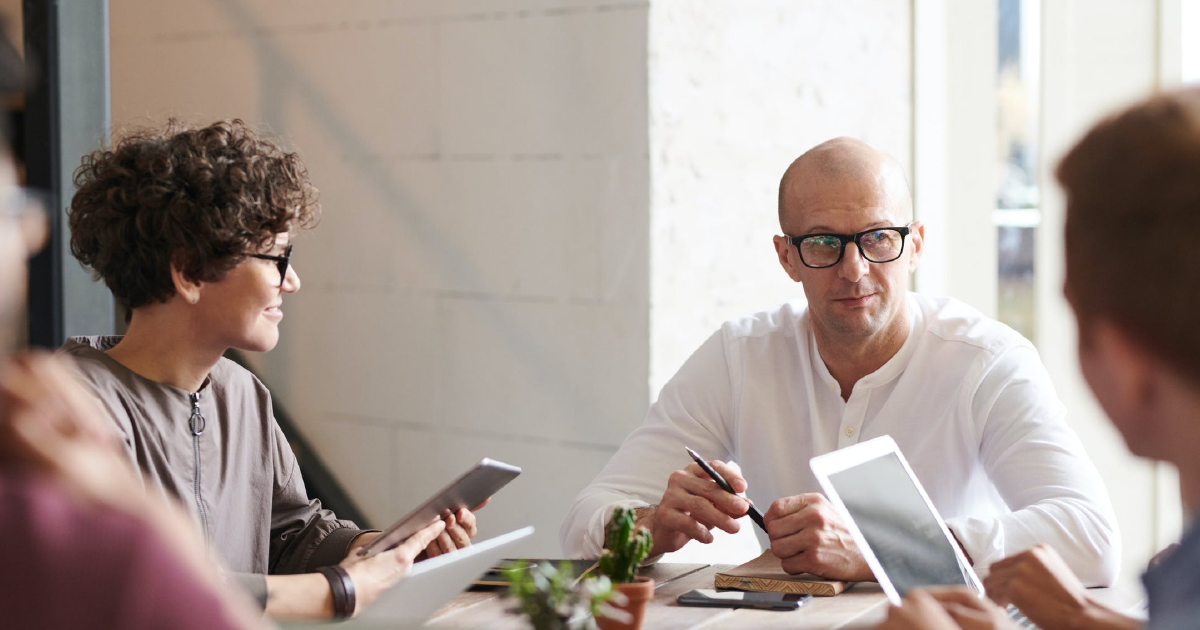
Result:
[304,536]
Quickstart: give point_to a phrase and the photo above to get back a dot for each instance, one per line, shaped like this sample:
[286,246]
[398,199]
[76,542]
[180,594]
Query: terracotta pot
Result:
[637,594]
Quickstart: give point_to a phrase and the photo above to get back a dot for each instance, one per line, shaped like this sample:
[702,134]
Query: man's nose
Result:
[853,266]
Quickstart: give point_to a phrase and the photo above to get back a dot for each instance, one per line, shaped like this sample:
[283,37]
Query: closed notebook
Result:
[765,573]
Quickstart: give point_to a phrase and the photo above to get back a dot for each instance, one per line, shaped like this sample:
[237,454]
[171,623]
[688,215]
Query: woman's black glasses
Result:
[281,262]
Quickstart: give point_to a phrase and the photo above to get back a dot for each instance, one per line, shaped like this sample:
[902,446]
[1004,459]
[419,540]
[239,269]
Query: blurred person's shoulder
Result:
[55,545]
[71,564]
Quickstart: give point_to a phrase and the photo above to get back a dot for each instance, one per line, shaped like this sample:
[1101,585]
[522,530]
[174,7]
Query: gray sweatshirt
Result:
[220,452]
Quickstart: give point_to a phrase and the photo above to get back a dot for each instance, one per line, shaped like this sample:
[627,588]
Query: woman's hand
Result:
[918,611]
[372,576]
[49,423]
[1038,582]
[946,609]
[460,529]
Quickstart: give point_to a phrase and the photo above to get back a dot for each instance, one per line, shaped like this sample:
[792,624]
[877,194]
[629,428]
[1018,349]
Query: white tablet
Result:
[431,583]
[468,491]
[900,534]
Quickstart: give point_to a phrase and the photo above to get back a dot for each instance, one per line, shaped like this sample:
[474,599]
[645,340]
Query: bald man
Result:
[964,396]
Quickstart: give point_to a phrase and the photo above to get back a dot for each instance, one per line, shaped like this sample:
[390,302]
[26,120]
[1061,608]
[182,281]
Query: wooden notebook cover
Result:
[765,573]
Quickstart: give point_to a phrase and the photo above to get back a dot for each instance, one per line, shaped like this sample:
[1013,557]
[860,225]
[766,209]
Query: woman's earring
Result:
[196,299]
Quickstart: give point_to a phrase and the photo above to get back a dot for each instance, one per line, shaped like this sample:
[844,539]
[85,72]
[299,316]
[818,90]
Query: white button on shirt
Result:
[966,398]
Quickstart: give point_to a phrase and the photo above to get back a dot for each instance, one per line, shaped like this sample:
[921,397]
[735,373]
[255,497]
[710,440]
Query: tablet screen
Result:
[900,529]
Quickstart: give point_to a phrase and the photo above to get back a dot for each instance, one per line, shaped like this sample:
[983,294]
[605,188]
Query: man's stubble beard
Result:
[858,328]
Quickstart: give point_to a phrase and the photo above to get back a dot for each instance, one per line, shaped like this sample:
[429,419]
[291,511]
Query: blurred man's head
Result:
[23,227]
[846,186]
[1133,268]
[22,232]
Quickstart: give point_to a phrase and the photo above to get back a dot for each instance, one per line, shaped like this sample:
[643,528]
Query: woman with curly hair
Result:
[190,228]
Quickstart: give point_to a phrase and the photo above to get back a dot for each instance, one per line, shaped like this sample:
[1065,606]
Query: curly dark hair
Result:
[199,198]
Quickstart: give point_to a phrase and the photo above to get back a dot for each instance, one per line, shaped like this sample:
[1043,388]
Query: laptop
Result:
[434,582]
[898,530]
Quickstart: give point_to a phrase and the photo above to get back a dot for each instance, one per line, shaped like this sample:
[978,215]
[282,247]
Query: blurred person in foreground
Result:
[191,230]
[84,545]
[1132,270]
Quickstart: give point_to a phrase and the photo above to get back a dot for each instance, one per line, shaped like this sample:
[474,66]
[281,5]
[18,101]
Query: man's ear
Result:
[789,258]
[185,287]
[916,239]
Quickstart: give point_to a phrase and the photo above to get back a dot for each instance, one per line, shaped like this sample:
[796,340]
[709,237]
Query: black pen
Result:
[754,514]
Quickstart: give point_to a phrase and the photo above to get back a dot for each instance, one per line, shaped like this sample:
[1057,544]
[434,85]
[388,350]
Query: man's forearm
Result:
[643,517]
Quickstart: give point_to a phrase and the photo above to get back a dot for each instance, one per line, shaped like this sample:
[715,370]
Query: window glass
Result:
[1017,194]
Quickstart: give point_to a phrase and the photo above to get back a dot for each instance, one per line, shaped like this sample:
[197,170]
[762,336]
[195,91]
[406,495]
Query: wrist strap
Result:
[342,588]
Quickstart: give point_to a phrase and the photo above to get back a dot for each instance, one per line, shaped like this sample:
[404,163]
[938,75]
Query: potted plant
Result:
[551,598]
[624,550]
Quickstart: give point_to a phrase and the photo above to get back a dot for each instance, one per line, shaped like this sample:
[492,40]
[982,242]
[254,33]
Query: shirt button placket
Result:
[852,418]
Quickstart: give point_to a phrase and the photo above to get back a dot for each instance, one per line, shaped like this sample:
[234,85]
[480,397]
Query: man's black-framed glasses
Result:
[877,245]
[281,262]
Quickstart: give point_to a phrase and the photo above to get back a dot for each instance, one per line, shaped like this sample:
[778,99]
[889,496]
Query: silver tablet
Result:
[468,491]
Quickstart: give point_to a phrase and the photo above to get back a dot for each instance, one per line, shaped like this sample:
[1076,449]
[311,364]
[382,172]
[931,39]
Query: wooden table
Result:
[861,606]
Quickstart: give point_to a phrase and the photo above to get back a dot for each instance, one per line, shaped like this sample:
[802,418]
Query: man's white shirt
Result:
[966,398]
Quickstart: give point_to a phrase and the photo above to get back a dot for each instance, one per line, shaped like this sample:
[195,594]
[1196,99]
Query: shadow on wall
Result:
[287,79]
[286,83]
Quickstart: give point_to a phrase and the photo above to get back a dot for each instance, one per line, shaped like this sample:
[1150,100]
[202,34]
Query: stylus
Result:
[755,515]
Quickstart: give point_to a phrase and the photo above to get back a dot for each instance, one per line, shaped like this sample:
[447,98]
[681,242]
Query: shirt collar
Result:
[97,347]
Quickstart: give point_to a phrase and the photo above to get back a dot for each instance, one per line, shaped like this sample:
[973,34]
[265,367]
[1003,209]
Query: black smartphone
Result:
[743,599]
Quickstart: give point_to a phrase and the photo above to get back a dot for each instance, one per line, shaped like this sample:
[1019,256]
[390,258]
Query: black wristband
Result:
[342,589]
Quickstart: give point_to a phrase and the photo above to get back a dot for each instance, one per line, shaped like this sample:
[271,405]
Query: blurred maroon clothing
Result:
[65,565]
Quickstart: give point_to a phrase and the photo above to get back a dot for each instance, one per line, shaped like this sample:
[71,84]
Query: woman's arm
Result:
[307,596]
[1040,584]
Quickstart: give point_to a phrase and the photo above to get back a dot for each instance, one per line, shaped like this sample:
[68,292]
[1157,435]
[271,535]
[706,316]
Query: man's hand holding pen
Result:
[692,505]
[805,531]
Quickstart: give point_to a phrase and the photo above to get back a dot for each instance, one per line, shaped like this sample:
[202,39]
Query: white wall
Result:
[737,91]
[954,50]
[478,285]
